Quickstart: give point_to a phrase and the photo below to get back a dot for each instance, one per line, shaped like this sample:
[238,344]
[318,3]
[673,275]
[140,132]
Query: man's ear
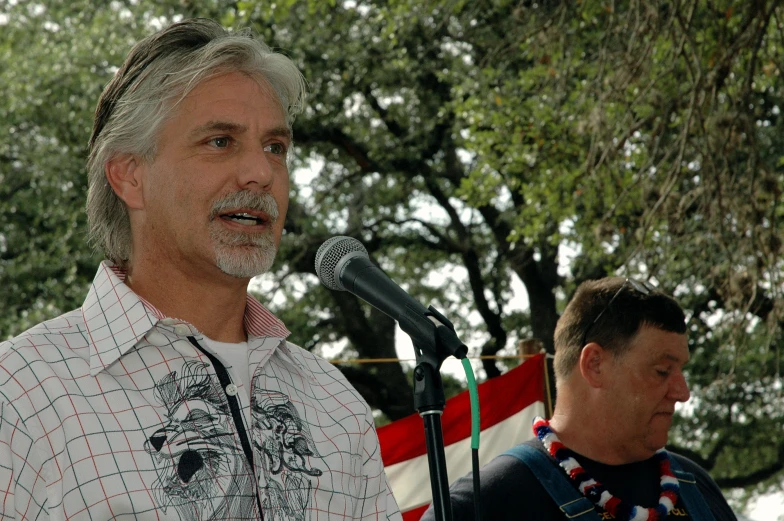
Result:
[594,364]
[125,175]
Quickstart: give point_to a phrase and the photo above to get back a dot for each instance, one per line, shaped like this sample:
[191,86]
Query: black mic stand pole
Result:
[429,402]
[431,350]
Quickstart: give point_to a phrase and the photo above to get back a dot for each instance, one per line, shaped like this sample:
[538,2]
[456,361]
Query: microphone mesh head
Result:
[329,255]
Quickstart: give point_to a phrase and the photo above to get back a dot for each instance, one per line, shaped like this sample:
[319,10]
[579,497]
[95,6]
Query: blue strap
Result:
[573,504]
[692,498]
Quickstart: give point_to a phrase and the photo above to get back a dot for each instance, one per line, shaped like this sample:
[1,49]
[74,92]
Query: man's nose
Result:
[679,389]
[258,171]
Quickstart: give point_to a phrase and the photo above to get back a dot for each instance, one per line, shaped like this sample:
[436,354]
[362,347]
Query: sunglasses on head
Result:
[642,287]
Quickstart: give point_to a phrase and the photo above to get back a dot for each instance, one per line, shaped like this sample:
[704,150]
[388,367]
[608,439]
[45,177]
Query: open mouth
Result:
[245,218]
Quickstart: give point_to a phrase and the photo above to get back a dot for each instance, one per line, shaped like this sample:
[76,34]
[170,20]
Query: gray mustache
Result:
[262,202]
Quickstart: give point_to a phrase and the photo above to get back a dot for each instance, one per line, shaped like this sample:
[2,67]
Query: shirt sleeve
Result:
[22,487]
[378,503]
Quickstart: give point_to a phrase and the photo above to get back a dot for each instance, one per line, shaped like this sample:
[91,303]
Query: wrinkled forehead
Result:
[175,101]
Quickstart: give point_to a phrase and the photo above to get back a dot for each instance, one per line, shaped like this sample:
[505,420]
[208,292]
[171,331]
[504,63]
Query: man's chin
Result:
[658,434]
[243,275]
[243,272]
[245,266]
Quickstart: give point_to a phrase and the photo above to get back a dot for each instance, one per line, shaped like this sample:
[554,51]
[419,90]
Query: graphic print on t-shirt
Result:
[286,447]
[200,463]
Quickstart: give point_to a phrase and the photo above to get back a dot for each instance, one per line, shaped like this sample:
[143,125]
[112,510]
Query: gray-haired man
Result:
[171,393]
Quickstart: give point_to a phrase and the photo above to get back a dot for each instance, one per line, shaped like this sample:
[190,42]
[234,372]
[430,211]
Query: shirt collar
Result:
[116,318]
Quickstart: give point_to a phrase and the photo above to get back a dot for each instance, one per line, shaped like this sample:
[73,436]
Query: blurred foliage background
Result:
[469,146]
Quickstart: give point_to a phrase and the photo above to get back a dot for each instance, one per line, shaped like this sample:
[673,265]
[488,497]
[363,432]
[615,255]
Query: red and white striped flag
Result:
[508,405]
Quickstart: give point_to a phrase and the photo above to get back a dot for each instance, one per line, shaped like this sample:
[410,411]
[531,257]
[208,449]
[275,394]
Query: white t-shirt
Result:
[235,358]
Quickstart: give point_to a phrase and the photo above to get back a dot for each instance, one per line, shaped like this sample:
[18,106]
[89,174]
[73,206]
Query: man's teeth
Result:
[244,218]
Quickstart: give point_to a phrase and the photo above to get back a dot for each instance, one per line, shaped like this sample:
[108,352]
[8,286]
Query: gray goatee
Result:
[244,254]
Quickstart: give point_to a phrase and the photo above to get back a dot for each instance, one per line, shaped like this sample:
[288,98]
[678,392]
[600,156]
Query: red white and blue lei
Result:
[597,493]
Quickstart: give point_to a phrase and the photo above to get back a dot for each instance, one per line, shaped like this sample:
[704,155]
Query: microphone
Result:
[343,264]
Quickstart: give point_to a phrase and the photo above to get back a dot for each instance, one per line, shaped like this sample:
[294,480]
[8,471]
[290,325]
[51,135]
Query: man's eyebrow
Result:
[218,126]
[674,358]
[284,132]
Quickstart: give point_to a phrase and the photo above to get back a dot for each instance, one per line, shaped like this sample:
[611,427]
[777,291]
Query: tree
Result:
[484,141]
[55,59]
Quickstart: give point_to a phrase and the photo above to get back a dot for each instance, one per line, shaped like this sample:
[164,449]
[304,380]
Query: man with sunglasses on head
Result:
[620,350]
[172,393]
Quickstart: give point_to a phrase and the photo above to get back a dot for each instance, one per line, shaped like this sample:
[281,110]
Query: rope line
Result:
[395,360]
[522,357]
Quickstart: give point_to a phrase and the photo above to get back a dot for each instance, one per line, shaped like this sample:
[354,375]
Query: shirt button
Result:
[231,390]
[182,330]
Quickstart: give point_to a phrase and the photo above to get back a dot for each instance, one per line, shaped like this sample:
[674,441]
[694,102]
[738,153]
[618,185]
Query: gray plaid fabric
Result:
[109,412]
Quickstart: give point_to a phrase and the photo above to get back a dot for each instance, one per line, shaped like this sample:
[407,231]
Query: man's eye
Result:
[220,142]
[663,372]
[276,148]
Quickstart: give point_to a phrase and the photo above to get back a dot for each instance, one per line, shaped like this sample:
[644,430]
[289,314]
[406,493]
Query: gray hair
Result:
[157,74]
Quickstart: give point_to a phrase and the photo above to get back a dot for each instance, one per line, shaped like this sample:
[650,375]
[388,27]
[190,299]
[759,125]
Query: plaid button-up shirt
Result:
[112,411]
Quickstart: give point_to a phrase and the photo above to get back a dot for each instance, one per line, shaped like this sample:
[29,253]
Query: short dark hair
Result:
[621,310]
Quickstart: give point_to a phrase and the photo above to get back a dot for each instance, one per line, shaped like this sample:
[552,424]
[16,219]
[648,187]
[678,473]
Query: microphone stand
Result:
[347,267]
[431,350]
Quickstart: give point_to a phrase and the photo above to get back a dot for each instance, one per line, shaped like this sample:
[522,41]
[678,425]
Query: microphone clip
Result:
[441,344]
